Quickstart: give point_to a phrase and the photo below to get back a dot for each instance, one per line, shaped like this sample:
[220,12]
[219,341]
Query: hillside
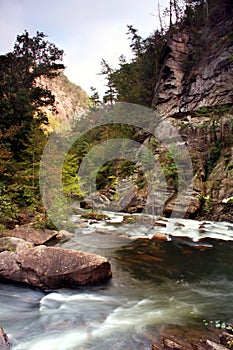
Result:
[70,99]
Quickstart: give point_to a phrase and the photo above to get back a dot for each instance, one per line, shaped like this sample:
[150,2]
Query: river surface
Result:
[154,285]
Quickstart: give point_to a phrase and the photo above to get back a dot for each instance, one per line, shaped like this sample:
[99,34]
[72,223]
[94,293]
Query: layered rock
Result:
[50,267]
[195,91]
[36,236]
[196,71]
[32,235]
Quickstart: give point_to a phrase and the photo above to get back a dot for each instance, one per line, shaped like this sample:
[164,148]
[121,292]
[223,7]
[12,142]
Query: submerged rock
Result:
[49,267]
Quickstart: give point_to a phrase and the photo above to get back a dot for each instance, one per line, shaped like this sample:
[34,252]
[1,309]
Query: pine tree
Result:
[20,95]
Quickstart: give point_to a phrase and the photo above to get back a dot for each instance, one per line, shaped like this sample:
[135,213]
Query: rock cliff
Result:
[70,99]
[196,70]
[195,91]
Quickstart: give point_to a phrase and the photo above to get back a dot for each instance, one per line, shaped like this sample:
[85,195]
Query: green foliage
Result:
[7,205]
[169,168]
[20,98]
[134,82]
[21,137]
[42,221]
[213,156]
[206,204]
[216,110]
[95,98]
[110,94]
[94,216]
[70,179]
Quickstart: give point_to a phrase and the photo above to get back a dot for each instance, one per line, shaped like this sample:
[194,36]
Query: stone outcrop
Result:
[196,71]
[195,91]
[70,99]
[49,267]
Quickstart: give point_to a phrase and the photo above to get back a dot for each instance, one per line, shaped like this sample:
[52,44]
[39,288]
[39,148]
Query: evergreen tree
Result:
[95,98]
[21,100]
[21,97]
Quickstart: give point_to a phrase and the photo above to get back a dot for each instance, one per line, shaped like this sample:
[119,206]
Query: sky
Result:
[87,30]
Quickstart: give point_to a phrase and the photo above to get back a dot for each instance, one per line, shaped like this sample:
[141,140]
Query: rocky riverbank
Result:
[195,339]
[25,259]
[161,245]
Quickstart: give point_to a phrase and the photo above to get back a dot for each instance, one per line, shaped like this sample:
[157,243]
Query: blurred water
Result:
[153,285]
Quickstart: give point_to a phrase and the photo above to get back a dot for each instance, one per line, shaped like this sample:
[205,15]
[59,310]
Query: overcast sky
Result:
[87,30]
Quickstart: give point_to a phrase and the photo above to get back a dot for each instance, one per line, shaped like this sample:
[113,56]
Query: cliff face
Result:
[70,99]
[195,91]
[209,139]
[196,70]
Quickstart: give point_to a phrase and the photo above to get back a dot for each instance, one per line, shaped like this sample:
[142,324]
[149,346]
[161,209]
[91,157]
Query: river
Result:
[154,285]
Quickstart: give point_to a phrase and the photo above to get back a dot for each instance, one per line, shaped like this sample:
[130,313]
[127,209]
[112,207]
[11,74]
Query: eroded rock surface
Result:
[188,81]
[32,235]
[50,267]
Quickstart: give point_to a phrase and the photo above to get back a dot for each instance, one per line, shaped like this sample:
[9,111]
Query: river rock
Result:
[50,267]
[159,237]
[14,244]
[30,234]
[4,341]
[214,346]
[179,338]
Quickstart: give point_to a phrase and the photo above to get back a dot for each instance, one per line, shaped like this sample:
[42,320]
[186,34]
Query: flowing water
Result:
[154,284]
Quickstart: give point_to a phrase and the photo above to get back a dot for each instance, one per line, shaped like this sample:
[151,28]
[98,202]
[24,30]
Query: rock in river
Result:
[50,267]
[4,341]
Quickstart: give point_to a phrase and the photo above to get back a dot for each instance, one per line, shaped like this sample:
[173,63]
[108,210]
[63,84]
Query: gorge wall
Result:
[196,70]
[195,91]
[70,99]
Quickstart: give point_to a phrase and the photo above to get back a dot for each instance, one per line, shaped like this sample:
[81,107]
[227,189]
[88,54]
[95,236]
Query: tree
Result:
[110,94]
[21,100]
[95,98]
[134,81]
[21,96]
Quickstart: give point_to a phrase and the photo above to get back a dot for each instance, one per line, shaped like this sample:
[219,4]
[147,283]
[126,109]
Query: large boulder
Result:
[50,267]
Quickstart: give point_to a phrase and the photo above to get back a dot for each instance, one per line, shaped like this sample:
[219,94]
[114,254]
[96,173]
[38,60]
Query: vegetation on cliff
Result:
[184,71]
[209,25]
